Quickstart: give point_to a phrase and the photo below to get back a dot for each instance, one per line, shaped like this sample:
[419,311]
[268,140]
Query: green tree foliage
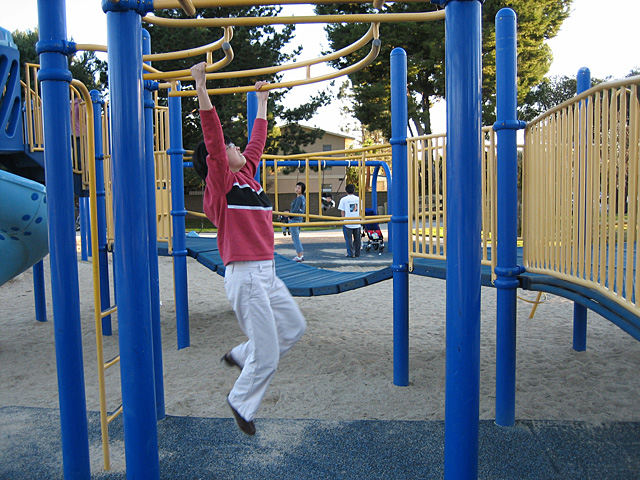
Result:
[253,47]
[424,44]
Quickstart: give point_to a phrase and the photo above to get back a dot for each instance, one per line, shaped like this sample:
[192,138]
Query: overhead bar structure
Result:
[290,20]
[372,33]
[375,50]
[175,4]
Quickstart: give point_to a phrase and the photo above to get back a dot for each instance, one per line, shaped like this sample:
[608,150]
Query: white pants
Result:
[272,321]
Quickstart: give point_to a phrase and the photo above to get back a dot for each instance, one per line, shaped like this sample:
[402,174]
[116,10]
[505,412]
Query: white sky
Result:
[598,35]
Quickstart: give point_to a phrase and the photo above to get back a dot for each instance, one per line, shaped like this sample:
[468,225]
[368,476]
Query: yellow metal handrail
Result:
[427,176]
[581,192]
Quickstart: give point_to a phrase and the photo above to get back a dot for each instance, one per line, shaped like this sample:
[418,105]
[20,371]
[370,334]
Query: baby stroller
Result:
[375,239]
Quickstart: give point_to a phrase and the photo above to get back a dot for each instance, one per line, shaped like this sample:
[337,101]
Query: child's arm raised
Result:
[263,96]
[200,76]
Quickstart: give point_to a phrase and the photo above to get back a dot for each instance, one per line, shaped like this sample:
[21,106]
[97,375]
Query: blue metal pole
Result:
[54,77]
[507,268]
[39,292]
[105,295]
[463,59]
[154,275]
[84,228]
[87,208]
[579,311]
[131,235]
[178,214]
[399,217]
[252,111]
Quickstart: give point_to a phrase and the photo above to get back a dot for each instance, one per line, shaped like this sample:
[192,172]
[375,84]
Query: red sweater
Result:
[235,202]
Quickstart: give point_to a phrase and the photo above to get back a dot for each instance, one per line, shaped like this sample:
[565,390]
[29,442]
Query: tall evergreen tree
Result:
[424,44]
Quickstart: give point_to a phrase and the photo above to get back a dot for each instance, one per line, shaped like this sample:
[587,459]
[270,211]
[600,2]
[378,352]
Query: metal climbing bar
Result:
[284,20]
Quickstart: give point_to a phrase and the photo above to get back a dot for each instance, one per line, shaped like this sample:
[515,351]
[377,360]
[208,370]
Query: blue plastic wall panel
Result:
[23,225]
[10,103]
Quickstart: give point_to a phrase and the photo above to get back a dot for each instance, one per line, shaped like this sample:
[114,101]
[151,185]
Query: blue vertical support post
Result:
[178,214]
[39,292]
[54,77]
[579,311]
[83,212]
[131,236]
[252,111]
[105,294]
[463,58]
[507,268]
[399,217]
[154,275]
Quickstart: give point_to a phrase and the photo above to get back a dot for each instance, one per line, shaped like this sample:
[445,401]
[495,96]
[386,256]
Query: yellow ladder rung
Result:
[109,311]
[112,362]
[114,415]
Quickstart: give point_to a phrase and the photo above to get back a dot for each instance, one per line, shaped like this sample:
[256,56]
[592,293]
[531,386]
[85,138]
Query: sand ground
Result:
[342,368]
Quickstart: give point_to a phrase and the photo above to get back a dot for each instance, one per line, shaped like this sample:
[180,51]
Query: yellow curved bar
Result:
[373,32]
[375,50]
[187,6]
[191,52]
[587,93]
[90,47]
[163,4]
[186,74]
[260,21]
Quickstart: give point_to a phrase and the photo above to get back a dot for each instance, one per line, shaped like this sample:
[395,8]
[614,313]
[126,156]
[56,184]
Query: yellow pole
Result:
[175,4]
[293,20]
[93,202]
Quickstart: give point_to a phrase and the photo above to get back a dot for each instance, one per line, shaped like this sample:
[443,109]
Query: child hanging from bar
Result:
[236,203]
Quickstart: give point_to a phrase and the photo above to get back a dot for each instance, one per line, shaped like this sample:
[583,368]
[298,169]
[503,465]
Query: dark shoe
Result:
[247,427]
[228,360]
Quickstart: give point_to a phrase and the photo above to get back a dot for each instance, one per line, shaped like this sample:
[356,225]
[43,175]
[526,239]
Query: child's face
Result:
[235,157]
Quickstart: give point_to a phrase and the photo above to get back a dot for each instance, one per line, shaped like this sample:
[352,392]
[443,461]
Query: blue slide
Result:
[23,225]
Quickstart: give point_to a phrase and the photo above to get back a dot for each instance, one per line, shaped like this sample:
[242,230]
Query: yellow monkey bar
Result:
[163,4]
[372,33]
[261,21]
[375,50]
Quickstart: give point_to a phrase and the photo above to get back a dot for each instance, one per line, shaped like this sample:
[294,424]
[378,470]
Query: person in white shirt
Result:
[349,206]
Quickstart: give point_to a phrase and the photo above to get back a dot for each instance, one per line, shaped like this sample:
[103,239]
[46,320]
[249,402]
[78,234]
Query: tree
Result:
[424,44]
[254,47]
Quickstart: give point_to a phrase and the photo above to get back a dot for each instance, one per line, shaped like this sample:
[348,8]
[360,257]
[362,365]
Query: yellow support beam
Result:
[175,4]
[293,20]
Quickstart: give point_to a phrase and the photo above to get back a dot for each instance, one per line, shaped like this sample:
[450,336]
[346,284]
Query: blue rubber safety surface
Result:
[213,448]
